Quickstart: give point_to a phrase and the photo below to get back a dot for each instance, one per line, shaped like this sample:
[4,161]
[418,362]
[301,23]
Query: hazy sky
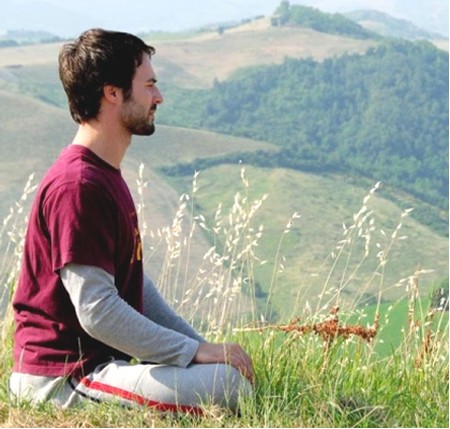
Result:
[69,17]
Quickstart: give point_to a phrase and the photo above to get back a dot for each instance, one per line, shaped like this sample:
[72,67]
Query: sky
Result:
[68,18]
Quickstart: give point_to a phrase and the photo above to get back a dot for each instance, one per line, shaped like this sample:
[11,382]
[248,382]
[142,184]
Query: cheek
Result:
[145,97]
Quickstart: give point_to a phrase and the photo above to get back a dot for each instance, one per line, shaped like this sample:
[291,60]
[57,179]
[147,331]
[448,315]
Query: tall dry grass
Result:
[321,369]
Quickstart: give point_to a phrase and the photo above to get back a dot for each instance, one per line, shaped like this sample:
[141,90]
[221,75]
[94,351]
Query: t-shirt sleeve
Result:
[80,222]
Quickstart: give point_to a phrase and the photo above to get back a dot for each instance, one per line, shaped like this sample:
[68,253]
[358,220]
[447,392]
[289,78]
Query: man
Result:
[83,307]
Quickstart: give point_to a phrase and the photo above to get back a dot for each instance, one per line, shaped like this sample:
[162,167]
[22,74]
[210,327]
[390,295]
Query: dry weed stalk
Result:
[429,342]
[140,206]
[328,330]
[14,228]
[362,228]
[421,340]
[363,242]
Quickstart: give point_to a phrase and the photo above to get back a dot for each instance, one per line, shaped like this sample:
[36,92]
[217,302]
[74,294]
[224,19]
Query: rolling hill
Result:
[195,60]
[324,203]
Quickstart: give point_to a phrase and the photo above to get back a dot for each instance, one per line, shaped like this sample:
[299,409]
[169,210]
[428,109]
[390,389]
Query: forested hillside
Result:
[309,17]
[383,115]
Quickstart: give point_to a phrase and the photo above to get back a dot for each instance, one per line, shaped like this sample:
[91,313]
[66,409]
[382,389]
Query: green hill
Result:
[383,115]
[325,203]
[310,17]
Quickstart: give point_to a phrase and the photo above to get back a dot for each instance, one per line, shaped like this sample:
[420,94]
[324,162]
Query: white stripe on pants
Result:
[166,388]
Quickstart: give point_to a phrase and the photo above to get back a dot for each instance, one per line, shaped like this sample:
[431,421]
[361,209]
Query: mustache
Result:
[154,107]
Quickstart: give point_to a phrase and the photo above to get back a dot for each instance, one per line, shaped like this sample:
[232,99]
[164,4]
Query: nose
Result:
[157,96]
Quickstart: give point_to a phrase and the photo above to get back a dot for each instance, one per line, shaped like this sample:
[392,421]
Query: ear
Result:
[112,93]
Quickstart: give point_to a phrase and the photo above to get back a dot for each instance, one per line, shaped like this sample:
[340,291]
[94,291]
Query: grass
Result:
[318,371]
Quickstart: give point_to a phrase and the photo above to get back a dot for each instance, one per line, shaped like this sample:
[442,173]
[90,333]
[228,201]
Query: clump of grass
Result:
[220,291]
[320,370]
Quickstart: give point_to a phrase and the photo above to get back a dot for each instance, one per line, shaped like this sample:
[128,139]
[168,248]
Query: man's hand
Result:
[232,354]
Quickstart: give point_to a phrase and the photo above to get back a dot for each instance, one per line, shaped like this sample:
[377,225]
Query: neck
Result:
[105,142]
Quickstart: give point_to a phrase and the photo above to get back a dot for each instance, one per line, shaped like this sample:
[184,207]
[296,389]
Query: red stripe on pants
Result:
[134,397]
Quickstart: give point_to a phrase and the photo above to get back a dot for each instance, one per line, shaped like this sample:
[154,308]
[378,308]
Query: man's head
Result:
[96,59]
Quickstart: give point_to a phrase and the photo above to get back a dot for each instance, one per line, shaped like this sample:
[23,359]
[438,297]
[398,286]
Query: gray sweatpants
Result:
[165,388]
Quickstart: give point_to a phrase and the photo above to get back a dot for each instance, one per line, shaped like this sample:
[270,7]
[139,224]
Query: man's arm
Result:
[158,310]
[108,318]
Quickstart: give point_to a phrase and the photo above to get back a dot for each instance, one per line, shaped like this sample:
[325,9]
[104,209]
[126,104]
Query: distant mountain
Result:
[431,15]
[25,37]
[386,25]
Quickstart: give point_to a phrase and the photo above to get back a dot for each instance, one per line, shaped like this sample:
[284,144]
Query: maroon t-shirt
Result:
[83,213]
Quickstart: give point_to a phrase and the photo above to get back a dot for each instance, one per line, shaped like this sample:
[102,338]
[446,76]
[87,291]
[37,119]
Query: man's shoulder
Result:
[77,166]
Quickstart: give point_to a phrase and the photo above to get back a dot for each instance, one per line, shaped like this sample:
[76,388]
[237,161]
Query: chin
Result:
[147,130]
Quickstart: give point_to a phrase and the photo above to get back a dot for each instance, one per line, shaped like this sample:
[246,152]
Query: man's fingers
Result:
[236,356]
[232,354]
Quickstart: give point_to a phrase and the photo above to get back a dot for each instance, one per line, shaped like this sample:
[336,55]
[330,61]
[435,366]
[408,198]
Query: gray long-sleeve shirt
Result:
[159,335]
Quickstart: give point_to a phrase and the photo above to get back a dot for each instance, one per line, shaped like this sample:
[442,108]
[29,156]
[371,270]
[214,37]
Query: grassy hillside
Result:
[213,56]
[324,203]
[36,132]
[32,133]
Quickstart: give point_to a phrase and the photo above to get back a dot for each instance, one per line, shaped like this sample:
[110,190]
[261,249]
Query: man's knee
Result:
[230,386]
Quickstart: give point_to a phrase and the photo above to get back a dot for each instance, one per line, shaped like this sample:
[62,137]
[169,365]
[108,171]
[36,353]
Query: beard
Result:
[136,119]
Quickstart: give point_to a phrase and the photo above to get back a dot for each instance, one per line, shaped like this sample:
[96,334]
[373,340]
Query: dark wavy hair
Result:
[97,58]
